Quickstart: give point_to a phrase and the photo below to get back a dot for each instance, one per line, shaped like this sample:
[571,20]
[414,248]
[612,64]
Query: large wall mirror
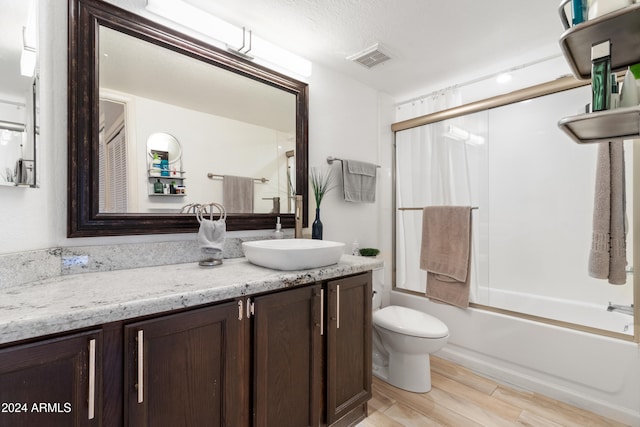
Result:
[18,93]
[131,79]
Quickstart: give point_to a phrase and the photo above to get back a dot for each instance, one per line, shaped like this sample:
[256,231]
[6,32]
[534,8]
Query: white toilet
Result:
[403,338]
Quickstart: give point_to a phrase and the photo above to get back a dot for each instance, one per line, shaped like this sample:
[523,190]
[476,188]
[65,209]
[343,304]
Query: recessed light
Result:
[503,78]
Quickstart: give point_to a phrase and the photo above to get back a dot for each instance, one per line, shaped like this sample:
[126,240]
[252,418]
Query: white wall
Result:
[31,217]
[345,120]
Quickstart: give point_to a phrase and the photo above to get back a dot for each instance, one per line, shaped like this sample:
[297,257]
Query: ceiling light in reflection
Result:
[28,58]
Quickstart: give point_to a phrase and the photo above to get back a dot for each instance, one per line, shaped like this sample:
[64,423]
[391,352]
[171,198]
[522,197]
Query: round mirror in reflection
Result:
[165,146]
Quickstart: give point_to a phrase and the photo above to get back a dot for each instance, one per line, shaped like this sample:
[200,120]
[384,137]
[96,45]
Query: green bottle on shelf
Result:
[157,187]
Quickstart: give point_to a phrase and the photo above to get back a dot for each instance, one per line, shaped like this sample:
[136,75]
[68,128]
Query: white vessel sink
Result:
[293,254]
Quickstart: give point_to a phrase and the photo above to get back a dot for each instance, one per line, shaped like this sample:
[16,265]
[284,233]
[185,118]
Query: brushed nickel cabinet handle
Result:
[250,311]
[92,379]
[338,307]
[140,366]
[240,310]
[321,312]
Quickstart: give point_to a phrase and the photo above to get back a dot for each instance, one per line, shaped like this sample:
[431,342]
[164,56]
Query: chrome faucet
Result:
[626,309]
[298,230]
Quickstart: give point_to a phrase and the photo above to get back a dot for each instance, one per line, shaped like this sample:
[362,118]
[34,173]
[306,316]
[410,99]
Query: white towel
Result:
[211,236]
[359,181]
[237,194]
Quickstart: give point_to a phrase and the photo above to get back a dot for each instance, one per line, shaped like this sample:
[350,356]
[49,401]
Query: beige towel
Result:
[237,194]
[445,253]
[608,255]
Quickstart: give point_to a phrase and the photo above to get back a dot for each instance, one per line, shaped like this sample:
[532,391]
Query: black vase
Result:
[316,228]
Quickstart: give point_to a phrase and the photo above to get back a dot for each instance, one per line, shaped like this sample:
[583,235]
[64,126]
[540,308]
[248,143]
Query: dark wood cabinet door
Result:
[186,369]
[287,354]
[52,383]
[348,382]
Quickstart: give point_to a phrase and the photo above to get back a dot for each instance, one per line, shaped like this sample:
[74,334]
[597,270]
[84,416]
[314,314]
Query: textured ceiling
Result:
[430,41]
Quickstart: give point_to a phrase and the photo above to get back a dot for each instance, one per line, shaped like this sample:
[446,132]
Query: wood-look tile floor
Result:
[460,398]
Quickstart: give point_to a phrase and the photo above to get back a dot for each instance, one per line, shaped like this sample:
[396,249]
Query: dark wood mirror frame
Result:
[83,216]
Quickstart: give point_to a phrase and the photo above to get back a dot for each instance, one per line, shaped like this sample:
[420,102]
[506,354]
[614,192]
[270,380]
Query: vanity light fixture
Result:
[28,57]
[227,35]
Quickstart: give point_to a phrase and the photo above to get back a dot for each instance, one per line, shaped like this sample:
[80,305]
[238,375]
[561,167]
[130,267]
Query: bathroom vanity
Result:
[237,345]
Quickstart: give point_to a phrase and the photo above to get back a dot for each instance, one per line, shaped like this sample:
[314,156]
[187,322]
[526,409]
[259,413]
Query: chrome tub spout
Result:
[626,309]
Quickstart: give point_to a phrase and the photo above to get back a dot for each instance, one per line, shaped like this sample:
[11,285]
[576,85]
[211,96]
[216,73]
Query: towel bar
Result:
[419,209]
[215,175]
[332,159]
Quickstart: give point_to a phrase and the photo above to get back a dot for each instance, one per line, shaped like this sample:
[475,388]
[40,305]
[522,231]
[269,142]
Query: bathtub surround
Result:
[528,197]
[445,253]
[607,259]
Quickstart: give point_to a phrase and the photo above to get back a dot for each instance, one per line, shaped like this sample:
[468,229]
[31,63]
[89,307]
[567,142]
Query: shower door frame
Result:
[548,88]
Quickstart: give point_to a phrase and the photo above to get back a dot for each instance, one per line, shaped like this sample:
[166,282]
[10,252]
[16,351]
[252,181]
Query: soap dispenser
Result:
[278,233]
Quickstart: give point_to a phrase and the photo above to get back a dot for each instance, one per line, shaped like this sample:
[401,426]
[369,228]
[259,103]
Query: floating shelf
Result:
[602,126]
[621,27]
[174,177]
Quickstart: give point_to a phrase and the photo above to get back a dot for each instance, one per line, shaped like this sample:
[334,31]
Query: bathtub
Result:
[591,371]
[585,314]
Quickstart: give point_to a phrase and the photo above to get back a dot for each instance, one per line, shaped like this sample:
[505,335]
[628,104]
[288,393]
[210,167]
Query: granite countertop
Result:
[71,302]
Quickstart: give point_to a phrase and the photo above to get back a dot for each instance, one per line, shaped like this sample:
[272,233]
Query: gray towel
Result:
[608,255]
[359,181]
[237,194]
[211,236]
[445,253]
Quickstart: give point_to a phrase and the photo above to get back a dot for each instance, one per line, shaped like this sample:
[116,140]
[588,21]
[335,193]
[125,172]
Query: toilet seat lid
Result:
[408,321]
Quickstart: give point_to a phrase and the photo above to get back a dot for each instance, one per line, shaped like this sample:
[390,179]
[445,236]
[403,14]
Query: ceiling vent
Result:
[370,57]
